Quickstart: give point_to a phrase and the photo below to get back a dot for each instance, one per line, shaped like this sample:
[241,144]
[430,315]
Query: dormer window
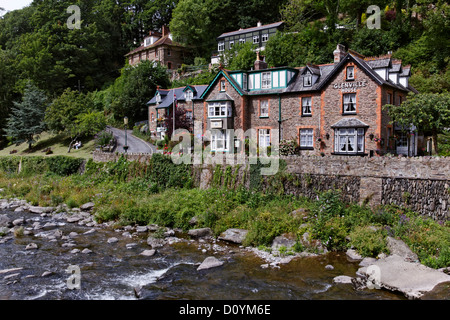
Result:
[147,42]
[307,80]
[266,80]
[350,73]
[189,95]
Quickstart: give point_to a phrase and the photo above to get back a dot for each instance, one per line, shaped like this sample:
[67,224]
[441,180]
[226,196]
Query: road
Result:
[135,145]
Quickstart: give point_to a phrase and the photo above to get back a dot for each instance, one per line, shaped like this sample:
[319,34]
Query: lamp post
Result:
[125,121]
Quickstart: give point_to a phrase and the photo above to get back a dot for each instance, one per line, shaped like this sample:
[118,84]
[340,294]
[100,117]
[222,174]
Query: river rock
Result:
[31,246]
[11,276]
[5,221]
[210,262]
[329,267]
[141,229]
[401,249]
[131,245]
[86,251]
[113,240]
[285,240]
[155,242]
[87,206]
[148,253]
[193,221]
[40,210]
[46,274]
[74,251]
[10,270]
[74,218]
[411,278]
[353,255]
[343,279]
[234,235]
[73,235]
[18,222]
[200,233]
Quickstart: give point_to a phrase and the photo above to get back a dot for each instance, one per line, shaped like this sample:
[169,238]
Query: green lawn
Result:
[57,143]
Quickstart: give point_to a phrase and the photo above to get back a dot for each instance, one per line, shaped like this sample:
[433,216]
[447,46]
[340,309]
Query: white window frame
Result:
[189,95]
[255,39]
[231,44]
[264,106]
[307,77]
[349,103]
[241,40]
[306,106]
[306,138]
[221,46]
[244,81]
[219,109]
[219,140]
[265,37]
[353,73]
[222,86]
[349,140]
[264,138]
[266,80]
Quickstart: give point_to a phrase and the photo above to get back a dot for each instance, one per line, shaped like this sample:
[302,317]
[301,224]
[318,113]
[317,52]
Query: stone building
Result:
[159,46]
[327,109]
[165,100]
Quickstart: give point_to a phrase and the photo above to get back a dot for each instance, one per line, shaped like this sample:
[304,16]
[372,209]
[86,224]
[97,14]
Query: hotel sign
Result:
[350,86]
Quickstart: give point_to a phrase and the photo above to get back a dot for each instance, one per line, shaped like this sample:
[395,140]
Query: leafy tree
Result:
[429,112]
[131,91]
[62,113]
[27,117]
[240,57]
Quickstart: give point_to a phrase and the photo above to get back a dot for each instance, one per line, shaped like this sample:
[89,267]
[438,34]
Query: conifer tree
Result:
[27,117]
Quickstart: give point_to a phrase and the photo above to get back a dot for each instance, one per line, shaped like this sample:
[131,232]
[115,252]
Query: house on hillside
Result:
[258,36]
[162,105]
[160,47]
[331,109]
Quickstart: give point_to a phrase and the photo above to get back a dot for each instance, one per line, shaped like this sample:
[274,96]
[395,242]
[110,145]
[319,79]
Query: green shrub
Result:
[368,241]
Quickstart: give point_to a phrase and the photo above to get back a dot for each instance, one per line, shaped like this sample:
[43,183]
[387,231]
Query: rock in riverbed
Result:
[234,235]
[210,262]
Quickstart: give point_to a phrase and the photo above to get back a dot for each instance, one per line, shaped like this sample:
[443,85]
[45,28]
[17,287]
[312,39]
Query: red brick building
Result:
[326,109]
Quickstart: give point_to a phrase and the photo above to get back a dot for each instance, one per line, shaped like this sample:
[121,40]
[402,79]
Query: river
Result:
[115,271]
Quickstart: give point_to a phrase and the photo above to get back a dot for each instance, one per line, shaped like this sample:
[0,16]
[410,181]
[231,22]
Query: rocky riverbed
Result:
[38,245]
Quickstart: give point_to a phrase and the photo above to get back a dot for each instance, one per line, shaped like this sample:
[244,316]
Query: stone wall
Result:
[422,184]
[99,156]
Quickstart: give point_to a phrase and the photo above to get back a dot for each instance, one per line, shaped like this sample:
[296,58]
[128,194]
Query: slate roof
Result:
[253,29]
[167,96]
[163,41]
[350,122]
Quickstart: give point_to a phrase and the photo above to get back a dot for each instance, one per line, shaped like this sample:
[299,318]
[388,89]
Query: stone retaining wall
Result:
[422,183]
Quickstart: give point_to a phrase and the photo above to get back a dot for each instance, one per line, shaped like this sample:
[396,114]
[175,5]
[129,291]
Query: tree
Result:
[240,57]
[129,94]
[427,111]
[27,117]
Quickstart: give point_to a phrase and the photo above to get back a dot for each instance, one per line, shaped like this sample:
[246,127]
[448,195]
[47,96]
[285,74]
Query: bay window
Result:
[219,109]
[349,140]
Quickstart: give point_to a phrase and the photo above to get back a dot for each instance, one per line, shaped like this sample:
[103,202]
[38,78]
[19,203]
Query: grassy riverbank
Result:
[162,193]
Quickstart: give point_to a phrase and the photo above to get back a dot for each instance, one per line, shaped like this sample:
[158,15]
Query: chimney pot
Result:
[339,53]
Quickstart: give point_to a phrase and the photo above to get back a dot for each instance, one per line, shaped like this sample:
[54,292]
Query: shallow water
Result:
[112,271]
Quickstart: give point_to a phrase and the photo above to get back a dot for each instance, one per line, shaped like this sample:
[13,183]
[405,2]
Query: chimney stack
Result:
[259,24]
[165,31]
[260,64]
[339,53]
